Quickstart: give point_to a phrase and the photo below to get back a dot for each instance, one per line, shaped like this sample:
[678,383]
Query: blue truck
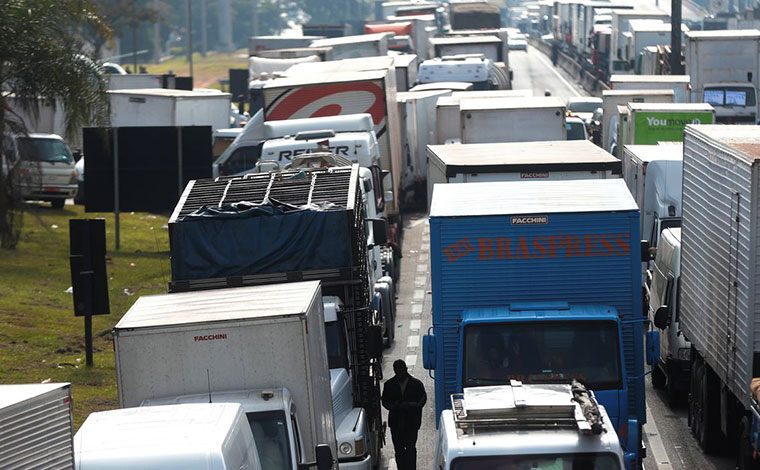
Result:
[540,281]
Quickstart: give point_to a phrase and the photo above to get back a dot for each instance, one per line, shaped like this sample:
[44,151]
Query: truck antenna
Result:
[208,380]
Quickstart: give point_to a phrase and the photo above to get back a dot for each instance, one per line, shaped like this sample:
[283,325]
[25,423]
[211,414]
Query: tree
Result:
[123,17]
[42,62]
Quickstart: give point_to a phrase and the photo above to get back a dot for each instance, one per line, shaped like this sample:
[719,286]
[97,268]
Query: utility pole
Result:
[156,36]
[224,15]
[255,17]
[675,38]
[190,36]
[204,28]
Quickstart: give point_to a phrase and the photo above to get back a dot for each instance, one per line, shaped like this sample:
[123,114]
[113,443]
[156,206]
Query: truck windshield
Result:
[730,96]
[270,431]
[543,352]
[587,461]
[337,354]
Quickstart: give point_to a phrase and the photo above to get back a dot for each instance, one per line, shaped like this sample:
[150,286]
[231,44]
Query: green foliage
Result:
[334,11]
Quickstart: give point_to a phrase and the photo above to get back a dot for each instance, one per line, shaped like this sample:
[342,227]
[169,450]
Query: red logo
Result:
[458,249]
[321,100]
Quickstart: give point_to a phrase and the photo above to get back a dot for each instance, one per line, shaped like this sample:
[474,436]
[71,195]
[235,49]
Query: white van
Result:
[207,436]
[674,369]
[44,166]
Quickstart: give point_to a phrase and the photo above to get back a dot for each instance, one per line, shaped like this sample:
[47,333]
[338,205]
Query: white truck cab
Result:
[525,426]
[477,70]
[674,368]
[208,436]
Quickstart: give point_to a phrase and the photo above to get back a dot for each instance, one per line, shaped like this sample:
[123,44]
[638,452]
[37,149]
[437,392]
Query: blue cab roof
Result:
[540,310]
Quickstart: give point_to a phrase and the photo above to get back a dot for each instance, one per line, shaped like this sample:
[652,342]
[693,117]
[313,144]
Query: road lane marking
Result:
[419,294]
[417,222]
[420,281]
[413,341]
[539,56]
[423,256]
[415,324]
[416,309]
[656,447]
[422,268]
[411,360]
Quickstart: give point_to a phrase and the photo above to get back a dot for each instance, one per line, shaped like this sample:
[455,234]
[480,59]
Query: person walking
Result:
[403,397]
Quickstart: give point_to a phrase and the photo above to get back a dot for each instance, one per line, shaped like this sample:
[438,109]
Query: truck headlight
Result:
[359,446]
[345,448]
[684,354]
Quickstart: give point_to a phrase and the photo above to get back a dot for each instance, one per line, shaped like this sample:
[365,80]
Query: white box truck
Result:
[512,120]
[611,99]
[724,67]
[406,71]
[203,436]
[678,83]
[36,427]
[260,346]
[556,160]
[167,107]
[650,123]
[350,47]
[134,81]
[720,302]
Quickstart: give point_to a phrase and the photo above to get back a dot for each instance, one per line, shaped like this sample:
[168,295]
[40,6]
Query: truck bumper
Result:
[357,463]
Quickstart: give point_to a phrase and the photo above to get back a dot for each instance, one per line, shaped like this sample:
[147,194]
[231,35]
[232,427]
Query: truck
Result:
[37,425]
[344,92]
[448,126]
[526,426]
[650,123]
[653,174]
[407,66]
[333,242]
[724,68]
[351,47]
[719,269]
[424,27]
[117,81]
[678,83]
[474,15]
[524,161]
[477,70]
[264,43]
[505,257]
[512,120]
[263,347]
[614,98]
[417,109]
[168,107]
[620,26]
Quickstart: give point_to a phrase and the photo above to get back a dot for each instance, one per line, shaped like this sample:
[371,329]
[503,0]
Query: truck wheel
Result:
[708,419]
[673,396]
[658,377]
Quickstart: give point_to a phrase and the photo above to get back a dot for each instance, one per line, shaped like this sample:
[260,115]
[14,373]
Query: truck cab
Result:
[734,103]
[525,426]
[474,69]
[674,367]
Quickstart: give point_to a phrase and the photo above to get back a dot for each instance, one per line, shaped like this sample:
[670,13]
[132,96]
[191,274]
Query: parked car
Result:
[45,168]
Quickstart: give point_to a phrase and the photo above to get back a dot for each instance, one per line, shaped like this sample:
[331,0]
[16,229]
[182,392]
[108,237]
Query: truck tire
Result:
[658,377]
[706,414]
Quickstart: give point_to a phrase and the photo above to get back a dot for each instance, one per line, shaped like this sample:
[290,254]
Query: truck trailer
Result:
[266,343]
[507,304]
[512,120]
[650,123]
[611,99]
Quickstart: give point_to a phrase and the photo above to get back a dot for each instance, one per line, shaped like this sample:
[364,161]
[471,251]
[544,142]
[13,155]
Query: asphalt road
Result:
[667,434]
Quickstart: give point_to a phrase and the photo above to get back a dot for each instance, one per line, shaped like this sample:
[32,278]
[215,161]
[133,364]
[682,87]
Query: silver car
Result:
[45,168]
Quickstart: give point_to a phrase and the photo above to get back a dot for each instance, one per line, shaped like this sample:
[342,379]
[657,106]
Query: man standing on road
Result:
[404,396]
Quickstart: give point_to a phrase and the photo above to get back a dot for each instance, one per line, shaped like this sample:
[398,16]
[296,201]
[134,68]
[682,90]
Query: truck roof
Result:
[16,393]
[632,92]
[743,141]
[349,39]
[531,197]
[170,93]
[328,77]
[670,107]
[511,103]
[519,93]
[403,96]
[403,60]
[724,34]
[345,123]
[361,64]
[649,153]
[648,79]
[218,305]
[524,156]
[454,40]
[191,432]
[462,86]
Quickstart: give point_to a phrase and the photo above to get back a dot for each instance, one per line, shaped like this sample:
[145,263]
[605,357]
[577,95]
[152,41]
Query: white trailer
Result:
[268,341]
[614,98]
[488,46]
[555,160]
[512,120]
[620,25]
[720,268]
[678,83]
[134,81]
[447,111]
[406,71]
[36,427]
[265,43]
[725,71]
[351,47]
[167,107]
[423,28]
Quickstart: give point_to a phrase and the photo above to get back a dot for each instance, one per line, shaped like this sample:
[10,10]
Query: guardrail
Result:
[569,65]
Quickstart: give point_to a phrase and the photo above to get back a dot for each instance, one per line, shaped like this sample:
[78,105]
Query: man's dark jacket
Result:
[410,418]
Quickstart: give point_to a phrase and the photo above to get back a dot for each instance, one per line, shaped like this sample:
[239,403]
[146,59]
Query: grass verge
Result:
[40,338]
[208,70]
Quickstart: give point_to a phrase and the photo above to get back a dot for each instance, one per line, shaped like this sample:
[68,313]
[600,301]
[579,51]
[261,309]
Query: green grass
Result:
[40,338]
[206,70]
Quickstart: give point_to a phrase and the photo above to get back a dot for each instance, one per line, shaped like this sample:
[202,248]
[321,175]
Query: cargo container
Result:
[678,83]
[264,43]
[538,281]
[134,81]
[620,26]
[351,47]
[613,98]
[266,341]
[512,120]
[649,123]
[406,71]
[37,427]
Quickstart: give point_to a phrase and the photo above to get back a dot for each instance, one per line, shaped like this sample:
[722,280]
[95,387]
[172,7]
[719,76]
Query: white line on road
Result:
[415,324]
[422,268]
[420,281]
[411,360]
[416,309]
[417,222]
[658,452]
[423,256]
[539,56]
[413,341]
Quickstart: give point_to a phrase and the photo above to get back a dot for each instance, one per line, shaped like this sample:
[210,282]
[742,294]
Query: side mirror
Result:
[324,457]
[646,255]
[375,343]
[428,352]
[547,92]
[653,348]
[662,317]
[379,230]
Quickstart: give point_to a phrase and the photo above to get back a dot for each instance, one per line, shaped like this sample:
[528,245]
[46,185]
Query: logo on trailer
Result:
[530,220]
[534,174]
[213,337]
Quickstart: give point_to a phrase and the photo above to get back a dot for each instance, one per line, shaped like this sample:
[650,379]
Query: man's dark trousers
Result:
[404,444]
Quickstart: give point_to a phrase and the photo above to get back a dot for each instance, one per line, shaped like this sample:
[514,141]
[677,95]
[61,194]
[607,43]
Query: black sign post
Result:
[87,246]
